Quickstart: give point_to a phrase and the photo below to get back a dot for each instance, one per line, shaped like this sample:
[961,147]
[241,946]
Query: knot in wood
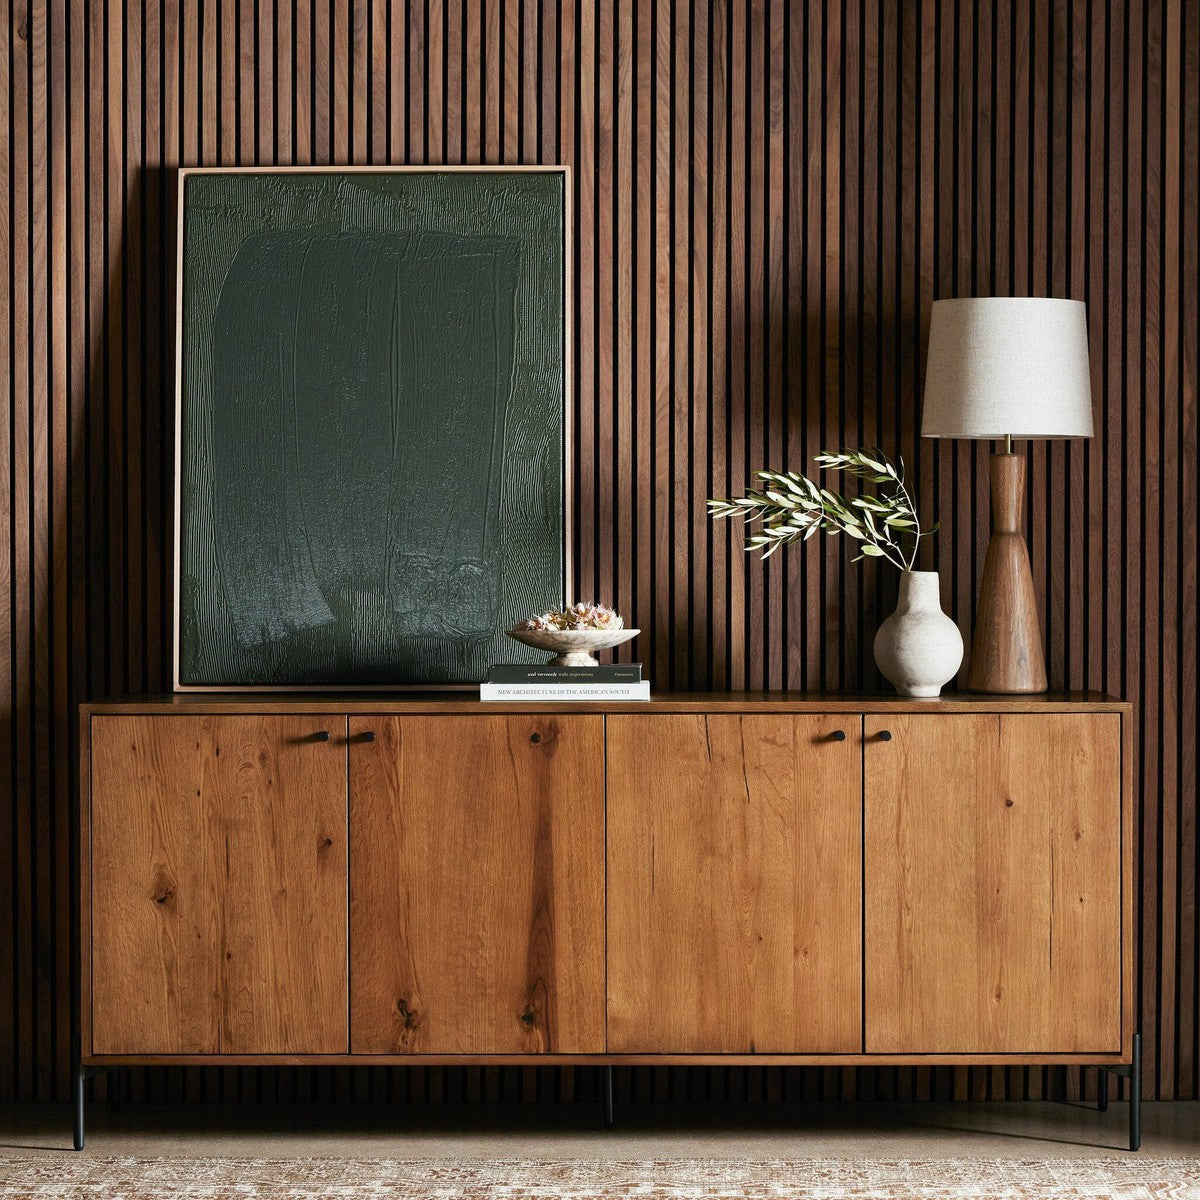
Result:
[163,888]
[409,1016]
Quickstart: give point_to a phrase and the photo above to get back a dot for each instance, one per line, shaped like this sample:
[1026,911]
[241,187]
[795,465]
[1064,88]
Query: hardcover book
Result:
[565,691]
[541,673]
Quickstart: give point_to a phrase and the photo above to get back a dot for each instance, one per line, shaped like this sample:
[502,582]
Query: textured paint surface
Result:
[372,423]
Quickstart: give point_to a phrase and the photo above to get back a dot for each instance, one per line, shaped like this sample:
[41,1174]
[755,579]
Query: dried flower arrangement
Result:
[583,616]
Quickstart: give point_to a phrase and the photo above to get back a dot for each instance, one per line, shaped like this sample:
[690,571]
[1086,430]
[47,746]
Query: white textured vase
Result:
[918,648]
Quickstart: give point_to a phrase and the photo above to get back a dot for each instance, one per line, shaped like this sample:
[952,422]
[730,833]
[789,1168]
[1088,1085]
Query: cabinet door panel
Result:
[993,884]
[734,884]
[218,905]
[477,885]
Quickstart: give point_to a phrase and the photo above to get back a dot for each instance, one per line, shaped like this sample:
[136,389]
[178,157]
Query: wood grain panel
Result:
[218,900]
[884,155]
[992,862]
[1069,768]
[734,884]
[477,885]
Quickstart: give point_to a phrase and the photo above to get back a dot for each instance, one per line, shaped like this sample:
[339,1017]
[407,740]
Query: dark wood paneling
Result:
[769,195]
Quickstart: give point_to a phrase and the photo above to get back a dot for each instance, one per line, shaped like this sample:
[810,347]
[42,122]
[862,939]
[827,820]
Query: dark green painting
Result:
[371,423]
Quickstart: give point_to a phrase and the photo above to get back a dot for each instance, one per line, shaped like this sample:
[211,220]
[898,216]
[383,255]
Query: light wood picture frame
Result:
[372,423]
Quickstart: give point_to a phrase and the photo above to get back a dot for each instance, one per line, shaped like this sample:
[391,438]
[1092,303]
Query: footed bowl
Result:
[573,647]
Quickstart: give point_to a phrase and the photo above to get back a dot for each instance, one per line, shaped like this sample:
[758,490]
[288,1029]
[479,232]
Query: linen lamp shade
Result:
[1007,367]
[1001,367]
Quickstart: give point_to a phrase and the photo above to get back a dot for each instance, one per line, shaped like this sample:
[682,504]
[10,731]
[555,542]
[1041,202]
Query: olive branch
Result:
[793,508]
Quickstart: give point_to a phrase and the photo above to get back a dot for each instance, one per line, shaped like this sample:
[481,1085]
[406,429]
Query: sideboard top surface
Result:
[467,703]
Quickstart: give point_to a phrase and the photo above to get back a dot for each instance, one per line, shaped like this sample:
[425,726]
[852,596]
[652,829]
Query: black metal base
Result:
[80,1078]
[1133,1073]
[82,1074]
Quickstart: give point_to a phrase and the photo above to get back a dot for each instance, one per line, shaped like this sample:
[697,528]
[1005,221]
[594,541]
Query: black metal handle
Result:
[322,735]
[838,735]
[367,735]
[885,735]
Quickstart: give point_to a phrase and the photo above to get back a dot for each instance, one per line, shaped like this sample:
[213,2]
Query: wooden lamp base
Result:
[1006,651]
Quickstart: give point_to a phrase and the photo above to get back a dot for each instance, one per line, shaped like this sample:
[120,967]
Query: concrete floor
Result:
[870,1131]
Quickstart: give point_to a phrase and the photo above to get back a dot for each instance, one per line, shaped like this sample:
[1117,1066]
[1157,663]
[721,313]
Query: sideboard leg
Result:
[608,1096]
[1135,1095]
[79,1082]
[1102,1090]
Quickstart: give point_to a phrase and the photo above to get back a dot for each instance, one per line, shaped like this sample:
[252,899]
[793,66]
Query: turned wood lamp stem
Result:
[1006,651]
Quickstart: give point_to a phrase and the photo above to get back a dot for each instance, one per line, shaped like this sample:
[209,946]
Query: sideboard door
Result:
[477,884]
[993,885]
[734,884]
[218,867]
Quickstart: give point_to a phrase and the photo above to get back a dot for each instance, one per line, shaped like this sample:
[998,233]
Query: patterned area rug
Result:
[83,1177]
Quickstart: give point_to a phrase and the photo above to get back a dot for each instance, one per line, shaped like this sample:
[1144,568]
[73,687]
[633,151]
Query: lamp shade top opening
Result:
[1007,367]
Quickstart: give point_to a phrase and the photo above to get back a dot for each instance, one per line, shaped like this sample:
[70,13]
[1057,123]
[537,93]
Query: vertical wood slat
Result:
[9,350]
[768,195]
[655,329]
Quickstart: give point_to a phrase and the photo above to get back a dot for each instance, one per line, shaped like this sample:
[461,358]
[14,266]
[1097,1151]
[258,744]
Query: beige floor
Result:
[875,1131]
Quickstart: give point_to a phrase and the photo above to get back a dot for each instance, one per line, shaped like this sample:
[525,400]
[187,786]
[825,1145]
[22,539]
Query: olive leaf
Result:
[793,507]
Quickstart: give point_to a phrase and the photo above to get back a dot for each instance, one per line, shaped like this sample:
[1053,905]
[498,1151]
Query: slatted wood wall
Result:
[768,197]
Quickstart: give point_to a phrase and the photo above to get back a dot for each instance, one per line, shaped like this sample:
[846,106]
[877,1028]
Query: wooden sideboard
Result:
[734,878]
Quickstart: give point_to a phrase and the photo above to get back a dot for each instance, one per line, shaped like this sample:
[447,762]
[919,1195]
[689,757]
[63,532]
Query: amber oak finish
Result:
[218,885]
[477,884]
[478,880]
[734,884]
[1006,650]
[992,864]
[465,704]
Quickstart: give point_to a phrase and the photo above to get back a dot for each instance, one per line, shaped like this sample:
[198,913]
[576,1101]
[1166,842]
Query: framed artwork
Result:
[371,406]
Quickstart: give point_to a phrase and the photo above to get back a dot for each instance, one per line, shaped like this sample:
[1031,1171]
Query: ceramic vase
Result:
[918,648]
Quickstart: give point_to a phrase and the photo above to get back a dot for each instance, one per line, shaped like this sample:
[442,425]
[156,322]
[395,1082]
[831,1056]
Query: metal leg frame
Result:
[1133,1073]
[82,1074]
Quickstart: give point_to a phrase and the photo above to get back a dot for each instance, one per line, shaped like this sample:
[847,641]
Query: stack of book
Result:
[608,681]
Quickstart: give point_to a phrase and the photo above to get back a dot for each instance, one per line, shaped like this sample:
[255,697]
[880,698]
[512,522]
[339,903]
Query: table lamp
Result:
[1008,368]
